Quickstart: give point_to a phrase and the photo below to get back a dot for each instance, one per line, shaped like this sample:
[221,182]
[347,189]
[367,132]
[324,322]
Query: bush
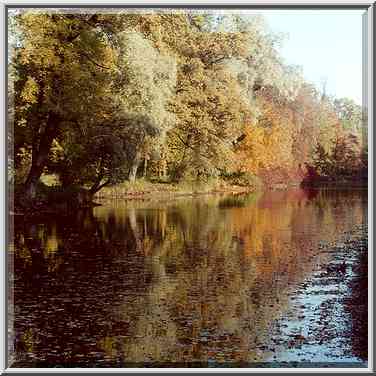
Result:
[243,179]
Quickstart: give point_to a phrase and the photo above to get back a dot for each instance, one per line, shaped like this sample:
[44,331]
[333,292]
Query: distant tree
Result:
[322,162]
[349,114]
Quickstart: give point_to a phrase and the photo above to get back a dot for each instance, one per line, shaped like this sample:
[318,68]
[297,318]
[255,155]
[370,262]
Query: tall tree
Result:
[64,65]
[149,79]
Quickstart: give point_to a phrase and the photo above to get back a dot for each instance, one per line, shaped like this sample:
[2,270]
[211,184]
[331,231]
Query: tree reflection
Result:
[181,281]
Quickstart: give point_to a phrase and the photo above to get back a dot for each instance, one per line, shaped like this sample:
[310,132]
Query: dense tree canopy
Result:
[95,96]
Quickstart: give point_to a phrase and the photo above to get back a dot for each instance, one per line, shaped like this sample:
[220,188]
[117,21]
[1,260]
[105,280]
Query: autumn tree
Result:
[93,96]
[148,78]
[209,107]
[104,156]
[64,65]
[349,114]
[200,115]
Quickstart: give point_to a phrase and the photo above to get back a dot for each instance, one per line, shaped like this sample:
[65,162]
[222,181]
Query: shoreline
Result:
[329,309]
[171,190]
[142,191]
[174,190]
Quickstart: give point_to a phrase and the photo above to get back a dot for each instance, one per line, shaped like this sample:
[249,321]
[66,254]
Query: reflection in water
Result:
[185,280]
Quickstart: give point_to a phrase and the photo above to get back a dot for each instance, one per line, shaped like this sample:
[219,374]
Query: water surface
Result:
[172,281]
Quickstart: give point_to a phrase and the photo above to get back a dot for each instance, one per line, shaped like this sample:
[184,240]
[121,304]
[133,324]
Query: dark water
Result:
[186,281]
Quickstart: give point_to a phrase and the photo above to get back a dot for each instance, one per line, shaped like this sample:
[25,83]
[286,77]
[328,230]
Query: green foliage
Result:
[50,180]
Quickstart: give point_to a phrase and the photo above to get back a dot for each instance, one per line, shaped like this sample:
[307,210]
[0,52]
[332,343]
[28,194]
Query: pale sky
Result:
[326,43]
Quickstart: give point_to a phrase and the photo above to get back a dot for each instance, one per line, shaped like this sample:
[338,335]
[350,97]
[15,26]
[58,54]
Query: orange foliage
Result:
[268,143]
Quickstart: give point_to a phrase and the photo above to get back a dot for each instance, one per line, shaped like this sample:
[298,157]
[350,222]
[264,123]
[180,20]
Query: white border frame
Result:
[267,3]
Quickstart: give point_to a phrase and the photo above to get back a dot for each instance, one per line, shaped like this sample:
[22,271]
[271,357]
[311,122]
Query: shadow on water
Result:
[193,281]
[238,200]
[357,303]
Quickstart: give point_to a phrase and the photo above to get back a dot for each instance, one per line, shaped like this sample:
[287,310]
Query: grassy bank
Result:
[143,187]
[53,198]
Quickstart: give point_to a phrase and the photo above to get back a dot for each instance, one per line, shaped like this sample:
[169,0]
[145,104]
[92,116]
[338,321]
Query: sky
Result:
[327,44]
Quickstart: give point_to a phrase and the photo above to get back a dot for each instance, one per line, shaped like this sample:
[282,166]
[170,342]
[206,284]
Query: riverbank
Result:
[326,324]
[53,199]
[141,188]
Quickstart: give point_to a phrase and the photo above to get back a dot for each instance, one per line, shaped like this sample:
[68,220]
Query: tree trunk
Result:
[97,186]
[31,185]
[145,166]
[37,164]
[133,169]
[162,169]
[41,148]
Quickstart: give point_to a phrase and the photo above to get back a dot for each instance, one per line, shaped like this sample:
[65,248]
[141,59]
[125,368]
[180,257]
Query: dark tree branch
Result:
[93,61]
[98,186]
[215,61]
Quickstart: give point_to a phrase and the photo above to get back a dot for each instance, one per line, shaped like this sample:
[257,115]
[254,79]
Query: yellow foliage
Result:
[30,91]
[28,340]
